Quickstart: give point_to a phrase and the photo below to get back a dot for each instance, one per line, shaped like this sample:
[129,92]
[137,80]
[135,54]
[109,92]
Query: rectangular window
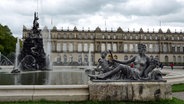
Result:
[131,47]
[58,47]
[91,47]
[165,48]
[64,47]
[136,48]
[108,46]
[70,47]
[102,47]
[156,48]
[79,47]
[173,49]
[53,46]
[125,48]
[151,47]
[178,49]
[85,47]
[114,47]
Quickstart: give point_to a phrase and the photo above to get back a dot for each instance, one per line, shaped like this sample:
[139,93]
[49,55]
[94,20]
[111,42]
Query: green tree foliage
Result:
[7,40]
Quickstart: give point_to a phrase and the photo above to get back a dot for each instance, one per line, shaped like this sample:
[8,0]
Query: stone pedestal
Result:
[132,91]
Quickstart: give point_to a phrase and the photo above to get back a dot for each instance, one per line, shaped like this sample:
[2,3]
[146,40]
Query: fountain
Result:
[32,56]
[33,63]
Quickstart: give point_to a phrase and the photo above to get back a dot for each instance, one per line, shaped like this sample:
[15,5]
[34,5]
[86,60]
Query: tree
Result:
[7,40]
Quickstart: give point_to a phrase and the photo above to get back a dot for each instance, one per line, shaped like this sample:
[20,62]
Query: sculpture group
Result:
[32,56]
[143,67]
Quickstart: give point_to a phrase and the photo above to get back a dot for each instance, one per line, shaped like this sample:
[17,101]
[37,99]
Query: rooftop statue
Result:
[120,70]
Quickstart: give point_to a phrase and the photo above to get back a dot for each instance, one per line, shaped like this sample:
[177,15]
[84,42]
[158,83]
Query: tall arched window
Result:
[166,59]
[174,58]
[179,59]
[120,47]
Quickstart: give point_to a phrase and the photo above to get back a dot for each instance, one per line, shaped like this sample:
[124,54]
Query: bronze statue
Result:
[143,68]
[32,56]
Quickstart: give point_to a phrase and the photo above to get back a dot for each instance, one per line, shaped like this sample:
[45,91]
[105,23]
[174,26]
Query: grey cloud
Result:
[16,13]
[145,7]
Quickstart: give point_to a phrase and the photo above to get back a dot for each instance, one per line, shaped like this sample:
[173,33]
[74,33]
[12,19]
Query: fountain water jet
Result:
[17,52]
[89,59]
[48,52]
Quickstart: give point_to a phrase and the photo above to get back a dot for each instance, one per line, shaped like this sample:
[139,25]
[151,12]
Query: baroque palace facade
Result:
[78,46]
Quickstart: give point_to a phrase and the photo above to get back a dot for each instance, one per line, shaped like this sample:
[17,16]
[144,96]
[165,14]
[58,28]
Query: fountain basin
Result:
[57,76]
[47,92]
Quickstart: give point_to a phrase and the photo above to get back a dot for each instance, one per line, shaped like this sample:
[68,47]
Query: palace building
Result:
[84,46]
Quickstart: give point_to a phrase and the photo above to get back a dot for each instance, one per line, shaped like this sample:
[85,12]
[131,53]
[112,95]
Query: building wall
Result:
[166,46]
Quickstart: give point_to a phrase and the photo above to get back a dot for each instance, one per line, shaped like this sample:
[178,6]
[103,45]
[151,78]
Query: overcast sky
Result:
[132,14]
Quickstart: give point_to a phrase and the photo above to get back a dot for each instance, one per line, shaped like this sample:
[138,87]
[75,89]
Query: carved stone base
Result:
[132,91]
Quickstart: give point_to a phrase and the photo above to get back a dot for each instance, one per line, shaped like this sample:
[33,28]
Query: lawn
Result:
[175,88]
[178,87]
[173,101]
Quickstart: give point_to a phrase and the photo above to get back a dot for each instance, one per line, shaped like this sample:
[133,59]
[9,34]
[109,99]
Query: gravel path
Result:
[179,95]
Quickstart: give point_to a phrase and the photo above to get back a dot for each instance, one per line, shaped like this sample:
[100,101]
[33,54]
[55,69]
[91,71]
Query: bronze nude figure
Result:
[143,68]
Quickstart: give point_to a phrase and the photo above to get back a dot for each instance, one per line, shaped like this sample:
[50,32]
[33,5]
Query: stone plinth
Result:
[133,91]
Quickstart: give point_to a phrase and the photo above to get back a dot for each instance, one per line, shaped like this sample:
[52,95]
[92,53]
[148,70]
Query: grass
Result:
[178,87]
[175,88]
[173,101]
